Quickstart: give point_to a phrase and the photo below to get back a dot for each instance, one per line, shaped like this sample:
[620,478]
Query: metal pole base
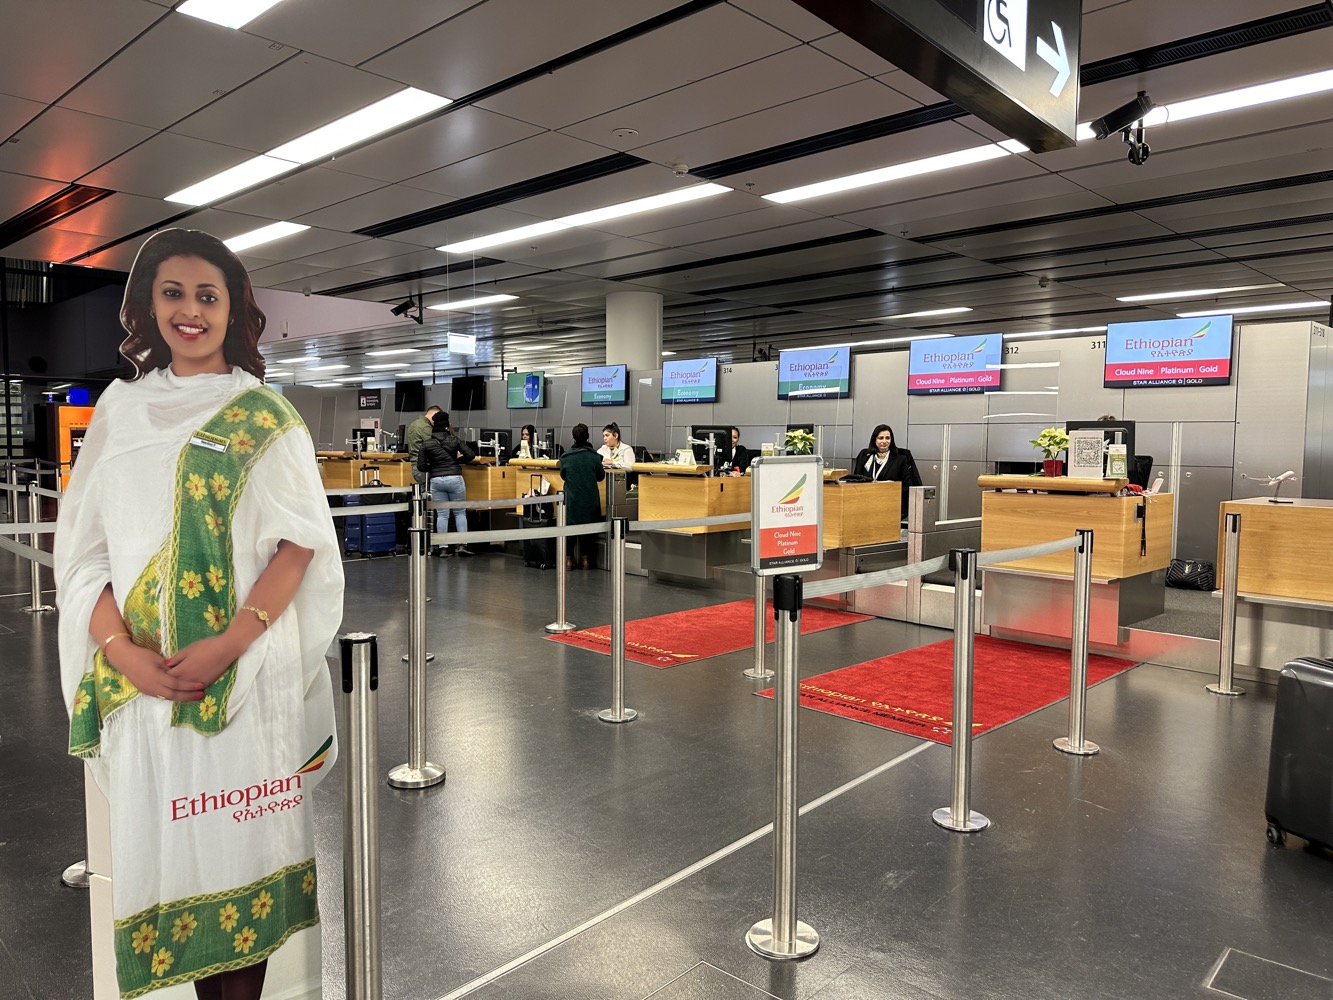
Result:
[757,675]
[1065,745]
[76,875]
[944,817]
[761,942]
[430,657]
[407,776]
[1214,688]
[38,609]
[561,627]
[609,715]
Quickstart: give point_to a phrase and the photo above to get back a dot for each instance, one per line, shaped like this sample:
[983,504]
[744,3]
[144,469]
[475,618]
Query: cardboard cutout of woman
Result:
[199,587]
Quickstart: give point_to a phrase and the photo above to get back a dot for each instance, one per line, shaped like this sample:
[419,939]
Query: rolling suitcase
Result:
[539,552]
[1300,764]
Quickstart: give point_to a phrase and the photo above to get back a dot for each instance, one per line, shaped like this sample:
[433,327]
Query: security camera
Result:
[1123,117]
[403,308]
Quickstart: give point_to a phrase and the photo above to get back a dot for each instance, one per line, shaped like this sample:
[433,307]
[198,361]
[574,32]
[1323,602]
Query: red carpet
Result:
[685,636]
[912,692]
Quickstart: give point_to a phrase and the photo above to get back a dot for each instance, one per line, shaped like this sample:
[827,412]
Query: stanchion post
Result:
[561,623]
[759,671]
[1226,673]
[958,815]
[34,567]
[361,848]
[783,936]
[1074,743]
[618,712]
[417,772]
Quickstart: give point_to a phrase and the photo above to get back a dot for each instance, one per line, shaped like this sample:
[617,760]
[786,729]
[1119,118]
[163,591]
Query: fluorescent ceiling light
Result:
[899,171]
[668,354]
[1193,293]
[649,204]
[394,110]
[327,385]
[292,361]
[883,340]
[327,368]
[482,300]
[413,374]
[996,416]
[1248,97]
[236,178]
[388,364]
[1275,307]
[396,350]
[228,13]
[62,385]
[265,234]
[357,378]
[953,311]
[1052,333]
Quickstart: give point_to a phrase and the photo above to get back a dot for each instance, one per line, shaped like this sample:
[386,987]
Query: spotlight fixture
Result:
[410,307]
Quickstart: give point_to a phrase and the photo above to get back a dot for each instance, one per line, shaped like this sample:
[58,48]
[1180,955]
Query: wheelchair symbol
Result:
[1006,29]
[997,22]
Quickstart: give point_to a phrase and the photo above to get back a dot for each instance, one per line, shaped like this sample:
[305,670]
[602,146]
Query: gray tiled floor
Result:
[1124,875]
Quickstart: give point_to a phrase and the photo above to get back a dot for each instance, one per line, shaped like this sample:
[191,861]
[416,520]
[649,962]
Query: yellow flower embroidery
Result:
[265,420]
[215,578]
[183,926]
[261,905]
[214,522]
[308,883]
[192,585]
[81,701]
[243,442]
[227,916]
[196,486]
[161,962]
[221,486]
[245,940]
[216,618]
[208,707]
[235,414]
[144,938]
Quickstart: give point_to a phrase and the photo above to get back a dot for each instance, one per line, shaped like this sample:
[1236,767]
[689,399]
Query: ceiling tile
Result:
[15,113]
[64,145]
[164,164]
[301,193]
[51,244]
[542,154]
[352,31]
[376,206]
[787,16]
[117,215]
[19,193]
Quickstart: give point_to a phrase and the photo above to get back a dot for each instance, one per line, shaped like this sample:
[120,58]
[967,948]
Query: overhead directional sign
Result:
[1012,63]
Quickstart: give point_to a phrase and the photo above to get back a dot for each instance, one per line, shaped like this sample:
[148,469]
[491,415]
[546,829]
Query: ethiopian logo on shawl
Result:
[185,593]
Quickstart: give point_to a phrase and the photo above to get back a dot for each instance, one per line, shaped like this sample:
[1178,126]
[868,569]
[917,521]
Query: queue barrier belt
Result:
[28,528]
[39,556]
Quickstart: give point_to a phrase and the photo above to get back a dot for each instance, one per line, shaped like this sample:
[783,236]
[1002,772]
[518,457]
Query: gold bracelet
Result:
[261,615]
[115,635]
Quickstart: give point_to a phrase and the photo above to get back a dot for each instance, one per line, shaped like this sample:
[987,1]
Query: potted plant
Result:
[1050,443]
[800,442]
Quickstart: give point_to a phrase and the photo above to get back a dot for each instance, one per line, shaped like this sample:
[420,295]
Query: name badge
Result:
[213,442]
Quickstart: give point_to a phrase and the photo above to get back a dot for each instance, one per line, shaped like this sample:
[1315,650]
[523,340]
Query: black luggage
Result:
[1300,764]
[539,552]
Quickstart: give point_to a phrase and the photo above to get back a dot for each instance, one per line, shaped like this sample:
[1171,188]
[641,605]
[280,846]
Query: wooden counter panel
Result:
[486,482]
[862,514]
[1011,520]
[339,474]
[1285,549]
[1051,484]
[665,498]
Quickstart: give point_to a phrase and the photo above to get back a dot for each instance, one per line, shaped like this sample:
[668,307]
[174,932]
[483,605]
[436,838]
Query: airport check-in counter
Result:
[345,470]
[1284,605]
[1034,597]
[668,491]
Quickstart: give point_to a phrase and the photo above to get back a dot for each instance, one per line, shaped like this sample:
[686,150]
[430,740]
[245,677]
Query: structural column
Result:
[634,330]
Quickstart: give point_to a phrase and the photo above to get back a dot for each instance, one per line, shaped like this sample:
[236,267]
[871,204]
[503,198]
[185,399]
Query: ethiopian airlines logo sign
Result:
[254,801]
[786,502]
[790,504]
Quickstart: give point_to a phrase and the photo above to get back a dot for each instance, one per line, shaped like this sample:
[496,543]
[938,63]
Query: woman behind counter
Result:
[883,461]
[615,455]
[582,470]
[736,460]
[527,444]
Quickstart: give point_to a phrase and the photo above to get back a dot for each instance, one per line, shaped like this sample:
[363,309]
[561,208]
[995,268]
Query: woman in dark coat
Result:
[883,461]
[581,468]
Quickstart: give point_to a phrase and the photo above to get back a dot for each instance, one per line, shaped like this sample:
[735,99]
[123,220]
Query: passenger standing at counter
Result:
[582,470]
[527,442]
[418,433]
[440,459]
[615,455]
[737,458]
[883,461]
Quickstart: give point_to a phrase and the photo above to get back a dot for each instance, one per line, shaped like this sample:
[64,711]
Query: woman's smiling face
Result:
[191,305]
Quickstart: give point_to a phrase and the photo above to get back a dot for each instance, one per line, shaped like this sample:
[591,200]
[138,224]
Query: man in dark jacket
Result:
[441,458]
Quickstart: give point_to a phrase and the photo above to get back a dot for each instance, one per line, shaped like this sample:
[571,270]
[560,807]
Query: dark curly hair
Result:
[144,346]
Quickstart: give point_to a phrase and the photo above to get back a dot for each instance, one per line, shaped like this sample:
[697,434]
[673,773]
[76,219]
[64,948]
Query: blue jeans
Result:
[448,488]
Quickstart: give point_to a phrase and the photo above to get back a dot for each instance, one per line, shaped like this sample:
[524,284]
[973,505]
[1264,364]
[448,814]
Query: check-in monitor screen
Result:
[1169,352]
[958,364]
[689,381]
[525,390]
[604,385]
[815,373]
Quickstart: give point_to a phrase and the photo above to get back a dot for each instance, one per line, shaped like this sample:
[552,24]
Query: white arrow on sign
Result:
[1057,58]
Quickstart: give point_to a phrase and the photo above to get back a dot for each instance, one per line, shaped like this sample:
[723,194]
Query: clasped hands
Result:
[184,675]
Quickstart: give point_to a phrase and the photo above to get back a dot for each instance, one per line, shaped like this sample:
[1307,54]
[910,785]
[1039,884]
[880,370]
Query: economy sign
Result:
[1168,352]
[814,373]
[787,507]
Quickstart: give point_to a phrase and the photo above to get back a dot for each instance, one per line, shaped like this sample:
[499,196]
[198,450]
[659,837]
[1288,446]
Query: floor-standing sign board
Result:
[787,507]
[1012,63]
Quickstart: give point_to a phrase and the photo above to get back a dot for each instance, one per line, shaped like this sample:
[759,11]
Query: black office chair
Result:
[1141,474]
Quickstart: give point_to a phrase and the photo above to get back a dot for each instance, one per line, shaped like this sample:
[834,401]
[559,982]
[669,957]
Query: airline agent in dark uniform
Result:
[883,461]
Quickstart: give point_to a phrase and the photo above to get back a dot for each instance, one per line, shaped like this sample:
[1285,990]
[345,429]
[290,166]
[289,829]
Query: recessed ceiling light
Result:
[396,350]
[327,385]
[899,171]
[482,300]
[668,354]
[953,311]
[389,364]
[1275,307]
[1193,293]
[265,234]
[413,374]
[292,361]
[882,340]
[1052,333]
[228,13]
[327,368]
[237,178]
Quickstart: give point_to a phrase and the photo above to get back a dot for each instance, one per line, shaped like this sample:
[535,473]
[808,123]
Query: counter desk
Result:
[548,469]
[1285,606]
[1130,553]
[344,470]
